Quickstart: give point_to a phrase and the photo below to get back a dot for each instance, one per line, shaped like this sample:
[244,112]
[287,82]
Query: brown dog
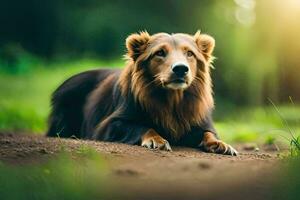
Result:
[162,97]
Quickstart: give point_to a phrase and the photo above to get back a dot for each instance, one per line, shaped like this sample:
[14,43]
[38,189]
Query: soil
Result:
[183,173]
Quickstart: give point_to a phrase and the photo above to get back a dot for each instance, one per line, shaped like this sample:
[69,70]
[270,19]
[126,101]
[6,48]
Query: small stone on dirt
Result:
[250,147]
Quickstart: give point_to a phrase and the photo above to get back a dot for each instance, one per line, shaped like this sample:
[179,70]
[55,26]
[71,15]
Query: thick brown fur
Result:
[148,101]
[179,111]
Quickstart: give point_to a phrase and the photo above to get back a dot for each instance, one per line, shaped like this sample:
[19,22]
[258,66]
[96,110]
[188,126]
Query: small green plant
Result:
[295,146]
[270,140]
[294,141]
[85,150]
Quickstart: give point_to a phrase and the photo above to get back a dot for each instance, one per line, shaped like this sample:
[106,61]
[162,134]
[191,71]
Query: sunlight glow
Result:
[245,12]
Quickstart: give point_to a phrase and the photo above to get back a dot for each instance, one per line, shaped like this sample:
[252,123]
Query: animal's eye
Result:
[189,53]
[160,53]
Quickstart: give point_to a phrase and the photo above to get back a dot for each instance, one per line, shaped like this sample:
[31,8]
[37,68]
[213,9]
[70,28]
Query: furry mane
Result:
[175,111]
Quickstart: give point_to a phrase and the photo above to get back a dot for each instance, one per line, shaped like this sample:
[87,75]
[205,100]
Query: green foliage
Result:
[65,177]
[85,150]
[14,59]
[249,124]
[25,98]
[270,139]
[255,58]
[295,146]
[294,140]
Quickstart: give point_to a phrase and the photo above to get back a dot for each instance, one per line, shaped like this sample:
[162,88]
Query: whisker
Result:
[153,81]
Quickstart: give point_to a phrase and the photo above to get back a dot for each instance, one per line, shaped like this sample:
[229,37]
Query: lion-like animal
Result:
[162,97]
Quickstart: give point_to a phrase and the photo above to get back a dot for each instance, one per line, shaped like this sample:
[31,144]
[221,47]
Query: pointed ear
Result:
[205,43]
[136,44]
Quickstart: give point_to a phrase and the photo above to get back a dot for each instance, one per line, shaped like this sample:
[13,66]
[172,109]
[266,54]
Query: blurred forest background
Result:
[257,50]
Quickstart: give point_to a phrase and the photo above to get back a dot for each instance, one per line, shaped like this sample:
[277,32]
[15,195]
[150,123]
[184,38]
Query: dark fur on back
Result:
[68,101]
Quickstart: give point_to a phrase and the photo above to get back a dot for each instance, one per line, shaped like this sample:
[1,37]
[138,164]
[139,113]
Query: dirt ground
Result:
[152,174]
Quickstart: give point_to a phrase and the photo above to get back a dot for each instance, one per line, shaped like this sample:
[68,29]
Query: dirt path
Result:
[144,174]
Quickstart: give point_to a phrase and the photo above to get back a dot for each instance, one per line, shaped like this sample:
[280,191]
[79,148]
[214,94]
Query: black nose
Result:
[180,70]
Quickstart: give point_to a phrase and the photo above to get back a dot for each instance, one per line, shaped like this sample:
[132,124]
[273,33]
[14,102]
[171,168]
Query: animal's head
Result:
[169,73]
[170,61]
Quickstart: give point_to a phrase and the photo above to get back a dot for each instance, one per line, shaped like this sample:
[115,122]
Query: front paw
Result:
[219,147]
[153,140]
[212,145]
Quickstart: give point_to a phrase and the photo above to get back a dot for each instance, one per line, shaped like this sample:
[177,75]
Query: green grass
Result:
[77,176]
[292,138]
[258,124]
[25,100]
